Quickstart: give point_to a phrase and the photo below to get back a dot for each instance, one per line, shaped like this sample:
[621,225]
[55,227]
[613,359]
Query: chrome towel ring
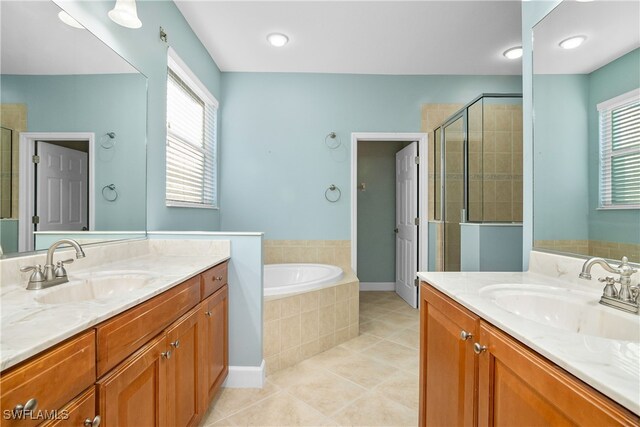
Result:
[333,199]
[108,140]
[332,140]
[112,194]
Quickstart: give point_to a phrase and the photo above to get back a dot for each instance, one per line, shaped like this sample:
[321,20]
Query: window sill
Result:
[618,207]
[190,205]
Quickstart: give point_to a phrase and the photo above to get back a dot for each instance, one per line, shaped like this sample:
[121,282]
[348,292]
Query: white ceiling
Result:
[612,29]
[35,41]
[363,37]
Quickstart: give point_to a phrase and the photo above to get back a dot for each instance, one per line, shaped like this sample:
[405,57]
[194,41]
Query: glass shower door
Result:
[454,191]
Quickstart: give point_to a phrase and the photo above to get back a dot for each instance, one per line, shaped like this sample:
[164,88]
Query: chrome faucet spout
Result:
[624,299]
[586,267]
[52,275]
[49,267]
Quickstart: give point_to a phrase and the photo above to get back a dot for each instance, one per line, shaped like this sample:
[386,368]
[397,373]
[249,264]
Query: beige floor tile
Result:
[213,416]
[328,358]
[232,400]
[378,328]
[396,304]
[407,337]
[375,409]
[293,375]
[362,370]
[326,392]
[361,342]
[400,320]
[402,387]
[281,409]
[402,357]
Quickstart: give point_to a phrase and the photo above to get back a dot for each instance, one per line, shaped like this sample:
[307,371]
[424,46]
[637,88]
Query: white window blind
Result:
[620,151]
[191,141]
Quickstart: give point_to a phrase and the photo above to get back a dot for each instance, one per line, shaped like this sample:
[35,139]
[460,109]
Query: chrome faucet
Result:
[624,299]
[52,275]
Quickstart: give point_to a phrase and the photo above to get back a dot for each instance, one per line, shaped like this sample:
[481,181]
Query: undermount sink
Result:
[570,310]
[97,286]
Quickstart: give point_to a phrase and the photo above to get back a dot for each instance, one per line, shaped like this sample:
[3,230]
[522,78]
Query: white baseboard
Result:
[245,376]
[377,286]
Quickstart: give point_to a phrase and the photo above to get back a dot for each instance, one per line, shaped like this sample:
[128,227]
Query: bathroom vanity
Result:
[484,360]
[156,355]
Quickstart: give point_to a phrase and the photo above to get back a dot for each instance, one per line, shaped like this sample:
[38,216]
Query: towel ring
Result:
[332,140]
[332,188]
[114,196]
[108,140]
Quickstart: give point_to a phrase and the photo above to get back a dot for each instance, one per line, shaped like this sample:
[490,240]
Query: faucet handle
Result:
[625,268]
[60,271]
[609,288]
[37,275]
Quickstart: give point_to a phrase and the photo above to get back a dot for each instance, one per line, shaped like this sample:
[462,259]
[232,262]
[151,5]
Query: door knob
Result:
[478,348]
[395,230]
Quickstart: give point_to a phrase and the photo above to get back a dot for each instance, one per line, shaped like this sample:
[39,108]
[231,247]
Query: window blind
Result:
[191,148]
[620,151]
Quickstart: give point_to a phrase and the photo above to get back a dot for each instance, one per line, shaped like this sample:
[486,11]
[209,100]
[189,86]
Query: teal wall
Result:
[489,247]
[9,235]
[615,78]
[145,51]
[377,211]
[276,166]
[99,104]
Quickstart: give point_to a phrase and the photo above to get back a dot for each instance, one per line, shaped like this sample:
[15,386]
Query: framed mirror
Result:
[74,117]
[586,97]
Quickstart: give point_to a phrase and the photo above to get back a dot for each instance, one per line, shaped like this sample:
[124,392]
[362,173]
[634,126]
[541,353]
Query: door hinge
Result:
[417,160]
[35,159]
[416,282]
[35,219]
[416,221]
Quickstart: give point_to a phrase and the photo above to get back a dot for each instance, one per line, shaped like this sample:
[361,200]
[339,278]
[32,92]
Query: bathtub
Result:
[280,279]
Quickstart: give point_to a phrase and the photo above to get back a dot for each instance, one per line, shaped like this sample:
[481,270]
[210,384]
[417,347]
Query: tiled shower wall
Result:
[14,117]
[334,252]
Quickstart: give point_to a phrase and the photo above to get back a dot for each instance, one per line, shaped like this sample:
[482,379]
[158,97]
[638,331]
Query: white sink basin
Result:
[97,286]
[566,309]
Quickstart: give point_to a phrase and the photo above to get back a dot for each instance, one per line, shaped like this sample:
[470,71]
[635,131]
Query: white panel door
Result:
[62,188]
[407,230]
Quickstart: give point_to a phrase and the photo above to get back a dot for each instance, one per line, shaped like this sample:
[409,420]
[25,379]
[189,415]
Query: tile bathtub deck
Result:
[371,380]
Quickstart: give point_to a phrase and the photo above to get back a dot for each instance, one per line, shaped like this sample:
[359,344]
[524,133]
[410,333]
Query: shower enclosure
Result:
[477,174]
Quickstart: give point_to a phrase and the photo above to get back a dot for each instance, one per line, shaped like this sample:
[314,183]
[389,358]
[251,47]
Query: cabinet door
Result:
[216,314]
[134,393]
[77,412]
[185,370]
[519,387]
[448,365]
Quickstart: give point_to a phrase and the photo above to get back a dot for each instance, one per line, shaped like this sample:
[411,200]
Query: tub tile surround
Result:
[28,327]
[608,365]
[334,252]
[300,326]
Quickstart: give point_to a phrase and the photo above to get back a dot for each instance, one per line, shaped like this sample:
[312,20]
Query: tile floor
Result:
[371,380]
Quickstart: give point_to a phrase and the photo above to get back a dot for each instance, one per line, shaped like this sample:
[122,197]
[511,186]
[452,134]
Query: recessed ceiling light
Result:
[67,19]
[572,42]
[277,39]
[513,53]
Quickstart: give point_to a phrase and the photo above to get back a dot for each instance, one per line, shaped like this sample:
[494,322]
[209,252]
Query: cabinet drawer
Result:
[53,379]
[75,413]
[213,279]
[119,337]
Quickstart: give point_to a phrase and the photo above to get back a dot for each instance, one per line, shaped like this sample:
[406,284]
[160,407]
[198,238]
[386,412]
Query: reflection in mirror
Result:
[587,130]
[73,116]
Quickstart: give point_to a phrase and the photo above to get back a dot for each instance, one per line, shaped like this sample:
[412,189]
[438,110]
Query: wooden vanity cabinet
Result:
[512,384]
[215,310]
[81,411]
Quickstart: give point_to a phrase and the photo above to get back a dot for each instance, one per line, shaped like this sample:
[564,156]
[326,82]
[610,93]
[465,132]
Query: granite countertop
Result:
[608,365]
[28,327]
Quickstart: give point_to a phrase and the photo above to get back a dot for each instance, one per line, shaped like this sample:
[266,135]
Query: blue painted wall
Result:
[615,78]
[488,247]
[99,104]
[145,51]
[276,166]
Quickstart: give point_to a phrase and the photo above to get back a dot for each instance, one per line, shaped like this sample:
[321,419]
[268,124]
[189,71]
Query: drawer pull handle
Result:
[218,278]
[464,335]
[175,344]
[30,406]
[478,348]
[92,423]
[166,354]
[207,313]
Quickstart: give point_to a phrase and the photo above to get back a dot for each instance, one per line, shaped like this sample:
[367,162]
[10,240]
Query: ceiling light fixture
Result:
[513,53]
[277,39]
[125,13]
[572,42]
[67,19]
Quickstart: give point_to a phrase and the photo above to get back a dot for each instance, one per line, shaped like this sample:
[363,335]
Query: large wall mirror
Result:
[587,129]
[73,117]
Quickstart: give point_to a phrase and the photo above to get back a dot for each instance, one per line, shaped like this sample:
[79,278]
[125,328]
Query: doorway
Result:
[387,200]
[56,184]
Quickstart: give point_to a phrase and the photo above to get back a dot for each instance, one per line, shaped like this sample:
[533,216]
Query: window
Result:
[620,151]
[191,139]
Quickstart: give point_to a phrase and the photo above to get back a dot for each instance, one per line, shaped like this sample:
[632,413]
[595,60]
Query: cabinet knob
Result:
[30,406]
[464,335]
[175,344]
[218,278]
[166,354]
[478,348]
[92,423]
[207,313]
